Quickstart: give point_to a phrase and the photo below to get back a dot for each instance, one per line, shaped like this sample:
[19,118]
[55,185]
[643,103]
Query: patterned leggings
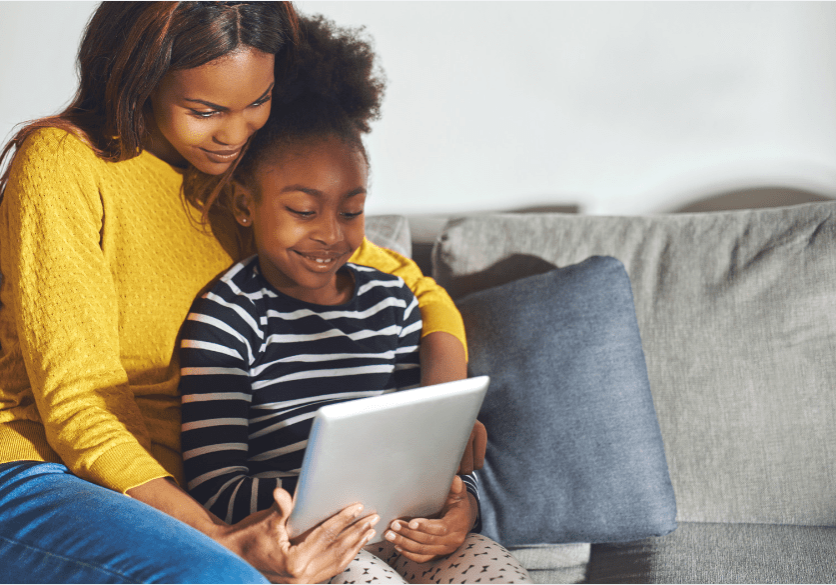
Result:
[478,560]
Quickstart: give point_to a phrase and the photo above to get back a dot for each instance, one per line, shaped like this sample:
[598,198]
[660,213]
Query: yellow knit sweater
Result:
[100,264]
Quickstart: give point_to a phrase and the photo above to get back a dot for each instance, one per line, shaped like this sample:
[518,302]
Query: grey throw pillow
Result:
[574,449]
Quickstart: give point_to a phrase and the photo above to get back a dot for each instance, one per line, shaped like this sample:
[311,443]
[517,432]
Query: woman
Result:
[101,260]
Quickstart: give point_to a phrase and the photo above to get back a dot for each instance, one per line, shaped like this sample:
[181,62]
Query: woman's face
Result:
[205,115]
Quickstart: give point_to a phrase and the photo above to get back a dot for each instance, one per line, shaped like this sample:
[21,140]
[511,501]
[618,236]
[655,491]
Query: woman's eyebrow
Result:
[224,108]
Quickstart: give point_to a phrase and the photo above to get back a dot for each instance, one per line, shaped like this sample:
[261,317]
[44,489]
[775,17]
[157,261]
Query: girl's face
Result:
[306,211]
[205,115]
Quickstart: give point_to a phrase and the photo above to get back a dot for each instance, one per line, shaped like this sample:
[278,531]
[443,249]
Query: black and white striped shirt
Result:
[257,364]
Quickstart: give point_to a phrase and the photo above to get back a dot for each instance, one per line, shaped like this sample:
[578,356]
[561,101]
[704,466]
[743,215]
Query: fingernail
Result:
[358,510]
[369,536]
[396,525]
[413,525]
[390,535]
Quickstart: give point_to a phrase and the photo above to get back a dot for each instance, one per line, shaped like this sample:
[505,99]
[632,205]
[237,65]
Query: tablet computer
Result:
[395,453]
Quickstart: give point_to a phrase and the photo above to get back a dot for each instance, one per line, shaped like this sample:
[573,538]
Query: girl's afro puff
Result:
[334,87]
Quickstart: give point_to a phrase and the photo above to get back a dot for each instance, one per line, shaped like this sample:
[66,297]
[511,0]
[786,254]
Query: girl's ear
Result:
[243,204]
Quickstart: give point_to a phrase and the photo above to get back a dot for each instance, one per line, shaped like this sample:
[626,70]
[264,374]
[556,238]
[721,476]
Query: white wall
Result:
[623,107]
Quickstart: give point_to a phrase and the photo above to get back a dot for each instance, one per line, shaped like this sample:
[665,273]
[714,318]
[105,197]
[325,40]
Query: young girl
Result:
[100,261]
[298,325]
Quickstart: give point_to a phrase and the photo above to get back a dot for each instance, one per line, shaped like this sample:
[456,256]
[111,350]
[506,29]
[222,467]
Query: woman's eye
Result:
[204,115]
[352,215]
[262,101]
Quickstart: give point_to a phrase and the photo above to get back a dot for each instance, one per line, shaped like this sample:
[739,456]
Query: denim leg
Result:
[57,528]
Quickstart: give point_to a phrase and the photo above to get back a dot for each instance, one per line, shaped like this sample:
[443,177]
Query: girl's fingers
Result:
[420,530]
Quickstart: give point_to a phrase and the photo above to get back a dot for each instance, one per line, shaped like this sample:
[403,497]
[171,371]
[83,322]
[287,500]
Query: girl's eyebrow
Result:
[224,108]
[318,193]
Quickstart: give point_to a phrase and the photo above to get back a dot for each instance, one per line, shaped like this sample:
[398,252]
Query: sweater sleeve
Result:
[438,311]
[66,313]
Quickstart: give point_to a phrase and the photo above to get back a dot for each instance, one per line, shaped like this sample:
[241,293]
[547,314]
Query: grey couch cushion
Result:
[390,231]
[574,449]
[720,553]
[737,313]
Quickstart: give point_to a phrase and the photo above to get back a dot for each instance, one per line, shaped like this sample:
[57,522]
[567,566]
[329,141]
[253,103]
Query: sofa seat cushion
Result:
[554,563]
[720,553]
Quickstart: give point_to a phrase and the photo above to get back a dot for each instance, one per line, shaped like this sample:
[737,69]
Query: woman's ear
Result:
[243,204]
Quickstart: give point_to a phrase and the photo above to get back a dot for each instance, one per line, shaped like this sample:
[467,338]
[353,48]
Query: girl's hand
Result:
[313,557]
[422,540]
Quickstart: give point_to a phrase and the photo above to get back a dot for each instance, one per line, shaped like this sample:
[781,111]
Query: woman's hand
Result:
[422,540]
[313,557]
[262,539]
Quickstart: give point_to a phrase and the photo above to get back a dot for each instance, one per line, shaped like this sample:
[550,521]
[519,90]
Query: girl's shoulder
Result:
[377,282]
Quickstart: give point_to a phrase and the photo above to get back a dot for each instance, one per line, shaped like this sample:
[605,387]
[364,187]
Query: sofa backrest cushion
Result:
[574,448]
[737,313]
[390,231]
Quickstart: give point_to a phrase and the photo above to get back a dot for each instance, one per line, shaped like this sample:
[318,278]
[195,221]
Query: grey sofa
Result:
[737,314]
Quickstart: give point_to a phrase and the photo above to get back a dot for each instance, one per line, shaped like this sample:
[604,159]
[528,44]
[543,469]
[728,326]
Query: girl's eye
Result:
[350,215]
[300,213]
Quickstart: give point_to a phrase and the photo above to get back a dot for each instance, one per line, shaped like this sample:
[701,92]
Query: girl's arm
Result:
[438,312]
[443,341]
[216,350]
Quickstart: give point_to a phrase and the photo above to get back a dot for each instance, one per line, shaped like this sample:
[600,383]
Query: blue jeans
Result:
[57,528]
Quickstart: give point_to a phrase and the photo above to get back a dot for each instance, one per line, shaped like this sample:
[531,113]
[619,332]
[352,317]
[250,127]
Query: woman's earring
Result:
[244,220]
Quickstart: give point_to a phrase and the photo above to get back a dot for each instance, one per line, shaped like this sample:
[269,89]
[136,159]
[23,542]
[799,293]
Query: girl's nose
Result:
[328,229]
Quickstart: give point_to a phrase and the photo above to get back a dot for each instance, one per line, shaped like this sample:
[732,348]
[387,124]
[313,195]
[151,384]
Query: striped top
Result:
[257,364]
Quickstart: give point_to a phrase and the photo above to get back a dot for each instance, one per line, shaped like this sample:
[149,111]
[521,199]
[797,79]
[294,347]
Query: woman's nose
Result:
[235,131]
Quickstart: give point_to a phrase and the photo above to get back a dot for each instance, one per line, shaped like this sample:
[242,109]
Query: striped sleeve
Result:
[407,362]
[215,356]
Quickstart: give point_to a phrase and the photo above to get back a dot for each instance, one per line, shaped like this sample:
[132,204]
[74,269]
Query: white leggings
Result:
[478,560]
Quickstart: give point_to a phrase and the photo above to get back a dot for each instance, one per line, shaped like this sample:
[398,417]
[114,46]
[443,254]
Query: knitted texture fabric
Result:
[101,262]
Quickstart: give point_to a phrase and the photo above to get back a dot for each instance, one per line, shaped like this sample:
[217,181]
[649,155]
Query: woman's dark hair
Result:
[128,47]
[334,90]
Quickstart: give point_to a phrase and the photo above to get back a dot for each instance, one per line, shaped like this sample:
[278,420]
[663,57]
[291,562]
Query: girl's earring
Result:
[244,220]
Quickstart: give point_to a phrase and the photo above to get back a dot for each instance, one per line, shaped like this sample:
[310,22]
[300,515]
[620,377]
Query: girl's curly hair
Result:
[335,88]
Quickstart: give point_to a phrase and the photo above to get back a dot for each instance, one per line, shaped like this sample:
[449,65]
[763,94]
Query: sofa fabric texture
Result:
[736,317]
[720,553]
[574,448]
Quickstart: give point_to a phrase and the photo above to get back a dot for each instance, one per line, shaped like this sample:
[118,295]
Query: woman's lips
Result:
[222,156]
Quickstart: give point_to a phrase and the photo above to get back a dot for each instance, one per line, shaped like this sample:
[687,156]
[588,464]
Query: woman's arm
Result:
[60,295]
[262,539]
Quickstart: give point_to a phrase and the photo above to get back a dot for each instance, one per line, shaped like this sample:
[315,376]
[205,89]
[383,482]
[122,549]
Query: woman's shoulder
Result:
[51,154]
[53,142]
